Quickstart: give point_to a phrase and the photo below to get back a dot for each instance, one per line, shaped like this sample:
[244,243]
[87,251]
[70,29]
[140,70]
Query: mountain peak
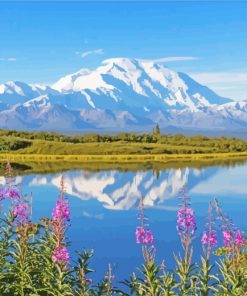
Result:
[125,63]
[121,92]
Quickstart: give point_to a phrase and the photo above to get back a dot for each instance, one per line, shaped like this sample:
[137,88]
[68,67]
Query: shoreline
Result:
[122,158]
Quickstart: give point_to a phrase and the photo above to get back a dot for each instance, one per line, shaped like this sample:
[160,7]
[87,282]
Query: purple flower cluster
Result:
[21,213]
[239,239]
[209,238]
[230,238]
[60,255]
[60,215]
[12,193]
[61,210]
[227,237]
[186,223]
[144,236]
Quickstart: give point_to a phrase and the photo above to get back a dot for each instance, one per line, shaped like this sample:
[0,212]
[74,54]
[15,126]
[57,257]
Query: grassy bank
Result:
[48,152]
[35,163]
[121,158]
[127,144]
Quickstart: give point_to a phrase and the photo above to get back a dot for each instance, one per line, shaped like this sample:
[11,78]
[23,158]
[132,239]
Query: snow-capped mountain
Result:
[15,92]
[118,95]
[141,86]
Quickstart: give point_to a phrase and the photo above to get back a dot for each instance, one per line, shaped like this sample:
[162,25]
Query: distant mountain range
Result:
[121,95]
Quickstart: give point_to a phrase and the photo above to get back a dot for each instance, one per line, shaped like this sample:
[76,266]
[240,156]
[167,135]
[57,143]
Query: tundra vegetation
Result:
[48,151]
[50,143]
[35,260]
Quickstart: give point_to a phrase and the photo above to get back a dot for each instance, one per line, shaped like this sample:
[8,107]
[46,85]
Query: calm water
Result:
[104,208]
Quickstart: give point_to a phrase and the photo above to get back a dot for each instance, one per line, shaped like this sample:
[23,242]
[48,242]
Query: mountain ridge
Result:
[120,94]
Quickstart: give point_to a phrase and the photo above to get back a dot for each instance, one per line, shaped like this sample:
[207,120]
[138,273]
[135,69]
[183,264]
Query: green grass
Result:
[120,157]
[45,152]
[35,163]
[121,144]
[114,148]
[42,147]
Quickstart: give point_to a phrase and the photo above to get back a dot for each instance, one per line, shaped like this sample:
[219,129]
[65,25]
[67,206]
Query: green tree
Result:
[156,130]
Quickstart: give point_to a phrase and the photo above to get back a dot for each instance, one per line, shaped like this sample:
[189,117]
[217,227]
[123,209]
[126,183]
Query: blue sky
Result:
[42,41]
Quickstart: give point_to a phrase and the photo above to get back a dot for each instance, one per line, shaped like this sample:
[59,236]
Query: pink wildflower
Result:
[144,236]
[209,238]
[60,255]
[12,193]
[61,210]
[186,221]
[21,212]
[239,239]
[149,239]
[227,237]
[140,234]
[60,215]
[204,239]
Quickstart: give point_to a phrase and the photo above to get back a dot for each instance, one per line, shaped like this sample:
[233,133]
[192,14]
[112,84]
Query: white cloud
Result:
[95,216]
[172,59]
[219,77]
[90,52]
[8,59]
[11,59]
[228,84]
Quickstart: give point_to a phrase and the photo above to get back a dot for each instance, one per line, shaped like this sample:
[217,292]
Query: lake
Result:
[104,207]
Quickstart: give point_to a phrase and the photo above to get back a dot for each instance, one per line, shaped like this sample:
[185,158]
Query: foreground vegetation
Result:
[34,258]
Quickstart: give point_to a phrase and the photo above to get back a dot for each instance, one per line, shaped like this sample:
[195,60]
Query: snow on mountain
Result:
[16,92]
[119,94]
[135,84]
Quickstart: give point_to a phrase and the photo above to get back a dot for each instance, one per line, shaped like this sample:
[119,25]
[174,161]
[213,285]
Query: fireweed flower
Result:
[21,213]
[209,238]
[186,226]
[60,255]
[144,235]
[231,236]
[61,210]
[60,217]
[239,239]
[227,237]
[140,235]
[12,193]
[186,223]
